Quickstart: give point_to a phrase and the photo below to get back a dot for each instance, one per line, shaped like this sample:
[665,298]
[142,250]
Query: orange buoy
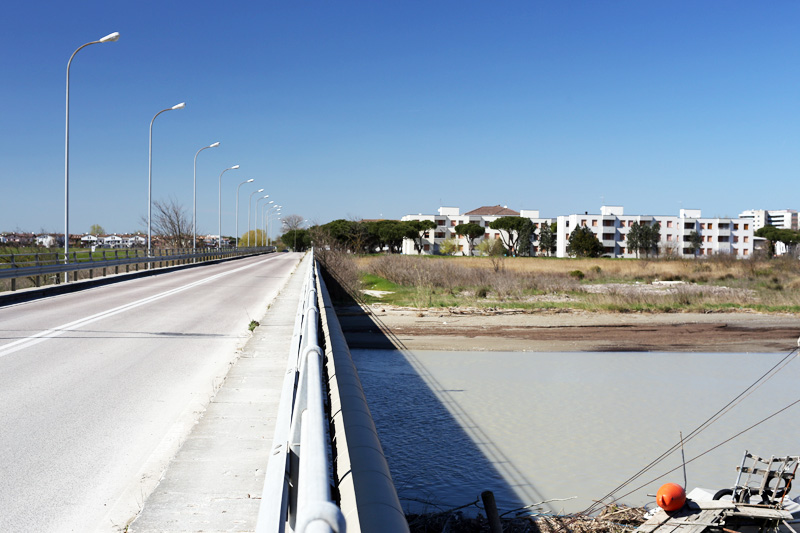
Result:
[671,497]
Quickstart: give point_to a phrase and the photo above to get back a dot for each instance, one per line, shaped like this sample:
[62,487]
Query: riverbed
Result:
[568,427]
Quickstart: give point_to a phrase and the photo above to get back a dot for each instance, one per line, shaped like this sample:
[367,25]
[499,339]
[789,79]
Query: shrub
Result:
[577,274]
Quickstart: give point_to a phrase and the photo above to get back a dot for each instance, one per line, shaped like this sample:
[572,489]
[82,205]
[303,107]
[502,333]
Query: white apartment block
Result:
[780,218]
[611,226]
[450,217]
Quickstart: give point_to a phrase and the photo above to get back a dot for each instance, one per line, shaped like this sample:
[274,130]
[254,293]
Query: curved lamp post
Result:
[110,38]
[266,206]
[251,180]
[219,237]
[194,196]
[250,203]
[256,215]
[150,178]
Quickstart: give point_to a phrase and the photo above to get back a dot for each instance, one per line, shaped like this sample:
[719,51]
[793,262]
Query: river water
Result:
[568,426]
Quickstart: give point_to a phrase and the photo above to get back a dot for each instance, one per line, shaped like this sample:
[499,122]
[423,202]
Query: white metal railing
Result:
[297,482]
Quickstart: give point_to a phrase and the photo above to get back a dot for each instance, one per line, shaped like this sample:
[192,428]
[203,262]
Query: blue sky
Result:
[356,109]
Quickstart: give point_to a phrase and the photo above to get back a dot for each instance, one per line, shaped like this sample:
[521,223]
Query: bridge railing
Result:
[305,462]
[298,477]
[45,268]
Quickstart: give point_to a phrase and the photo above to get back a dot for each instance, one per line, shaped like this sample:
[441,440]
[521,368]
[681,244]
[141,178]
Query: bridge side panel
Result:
[369,500]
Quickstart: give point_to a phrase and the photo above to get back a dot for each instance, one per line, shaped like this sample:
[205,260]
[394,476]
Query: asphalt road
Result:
[98,388]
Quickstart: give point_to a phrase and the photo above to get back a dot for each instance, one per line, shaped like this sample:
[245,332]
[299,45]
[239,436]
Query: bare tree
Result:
[171,223]
[291,222]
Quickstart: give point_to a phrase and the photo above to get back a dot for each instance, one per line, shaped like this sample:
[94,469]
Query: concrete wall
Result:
[368,498]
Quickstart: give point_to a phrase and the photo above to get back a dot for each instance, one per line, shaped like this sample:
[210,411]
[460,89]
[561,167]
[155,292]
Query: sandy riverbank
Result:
[382,326]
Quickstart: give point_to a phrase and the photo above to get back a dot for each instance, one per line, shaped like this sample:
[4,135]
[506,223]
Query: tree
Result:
[471,231]
[291,222]
[390,234]
[548,238]
[695,242]
[96,229]
[491,247]
[509,228]
[448,247]
[774,235]
[526,235]
[171,224]
[420,227]
[644,238]
[584,243]
[252,238]
[297,239]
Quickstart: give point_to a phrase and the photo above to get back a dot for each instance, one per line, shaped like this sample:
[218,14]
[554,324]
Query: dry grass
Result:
[600,284]
[612,519]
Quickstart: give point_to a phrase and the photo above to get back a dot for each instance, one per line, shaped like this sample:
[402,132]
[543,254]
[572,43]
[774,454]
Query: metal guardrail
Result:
[38,265]
[298,477]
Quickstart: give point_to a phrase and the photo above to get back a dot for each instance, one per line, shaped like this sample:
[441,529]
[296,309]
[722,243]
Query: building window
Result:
[702,225]
[746,251]
[669,223]
[583,222]
[669,237]
[736,226]
[746,226]
[735,238]
[746,239]
[594,223]
[710,225]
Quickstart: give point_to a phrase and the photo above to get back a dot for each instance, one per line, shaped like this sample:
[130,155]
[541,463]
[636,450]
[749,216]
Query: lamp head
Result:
[261,190]
[251,180]
[179,106]
[110,38]
[234,167]
[214,145]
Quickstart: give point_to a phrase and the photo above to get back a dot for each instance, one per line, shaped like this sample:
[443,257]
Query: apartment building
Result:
[611,226]
[780,218]
[449,217]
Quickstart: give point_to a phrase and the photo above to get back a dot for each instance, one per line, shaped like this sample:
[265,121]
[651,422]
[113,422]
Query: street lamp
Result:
[110,38]
[194,196]
[219,237]
[150,177]
[269,216]
[251,180]
[264,212]
[250,203]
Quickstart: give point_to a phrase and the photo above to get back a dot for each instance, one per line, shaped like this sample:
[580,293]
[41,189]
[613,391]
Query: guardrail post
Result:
[13,280]
[38,280]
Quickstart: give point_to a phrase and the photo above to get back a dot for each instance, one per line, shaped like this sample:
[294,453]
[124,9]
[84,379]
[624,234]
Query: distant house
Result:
[49,240]
[112,241]
[88,241]
[133,241]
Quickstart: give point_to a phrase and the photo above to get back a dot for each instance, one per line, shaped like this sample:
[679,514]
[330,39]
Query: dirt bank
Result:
[381,326]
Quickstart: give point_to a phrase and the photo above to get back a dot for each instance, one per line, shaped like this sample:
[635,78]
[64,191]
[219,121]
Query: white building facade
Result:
[780,218]
[450,217]
[611,226]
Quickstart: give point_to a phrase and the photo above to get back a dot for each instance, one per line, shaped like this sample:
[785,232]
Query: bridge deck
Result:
[215,481]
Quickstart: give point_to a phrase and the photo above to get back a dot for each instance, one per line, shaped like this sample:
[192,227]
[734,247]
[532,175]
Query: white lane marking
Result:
[70,326]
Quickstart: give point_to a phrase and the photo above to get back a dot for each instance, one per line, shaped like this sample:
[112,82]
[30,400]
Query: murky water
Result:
[551,426]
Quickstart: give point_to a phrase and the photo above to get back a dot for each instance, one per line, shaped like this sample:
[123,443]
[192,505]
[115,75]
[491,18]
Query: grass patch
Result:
[612,285]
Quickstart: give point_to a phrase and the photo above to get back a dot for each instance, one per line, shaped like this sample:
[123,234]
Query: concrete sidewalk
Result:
[214,483]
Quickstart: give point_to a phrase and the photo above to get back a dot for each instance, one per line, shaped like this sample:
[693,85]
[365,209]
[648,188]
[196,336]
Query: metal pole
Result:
[194,197]
[111,37]
[250,203]
[219,211]
[237,211]
[150,179]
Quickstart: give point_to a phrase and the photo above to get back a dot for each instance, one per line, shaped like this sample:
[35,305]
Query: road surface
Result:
[98,388]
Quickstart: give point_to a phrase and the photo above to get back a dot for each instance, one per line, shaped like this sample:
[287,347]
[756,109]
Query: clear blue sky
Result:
[345,109]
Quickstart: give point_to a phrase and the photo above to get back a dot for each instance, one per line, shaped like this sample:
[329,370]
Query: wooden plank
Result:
[752,511]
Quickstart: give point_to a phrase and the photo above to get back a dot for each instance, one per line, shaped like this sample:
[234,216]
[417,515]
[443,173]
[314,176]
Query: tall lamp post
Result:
[194,197]
[266,206]
[219,237]
[150,178]
[249,204]
[110,38]
[251,180]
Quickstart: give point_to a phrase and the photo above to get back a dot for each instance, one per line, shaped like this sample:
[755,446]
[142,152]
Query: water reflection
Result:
[539,426]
